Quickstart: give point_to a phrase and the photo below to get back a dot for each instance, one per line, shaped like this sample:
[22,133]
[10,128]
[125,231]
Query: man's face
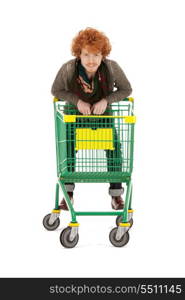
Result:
[90,60]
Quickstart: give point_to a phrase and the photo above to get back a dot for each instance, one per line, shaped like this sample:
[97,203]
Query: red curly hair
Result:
[93,40]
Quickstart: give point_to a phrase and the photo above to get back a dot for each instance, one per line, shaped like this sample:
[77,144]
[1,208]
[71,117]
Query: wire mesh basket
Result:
[94,148]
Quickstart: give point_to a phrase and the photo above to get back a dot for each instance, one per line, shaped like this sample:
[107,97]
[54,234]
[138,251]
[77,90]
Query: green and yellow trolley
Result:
[94,148]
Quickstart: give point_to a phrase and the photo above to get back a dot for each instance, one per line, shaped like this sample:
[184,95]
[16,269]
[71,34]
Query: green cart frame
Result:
[94,149]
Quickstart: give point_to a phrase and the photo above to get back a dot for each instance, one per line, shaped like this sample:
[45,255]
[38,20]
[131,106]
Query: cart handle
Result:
[131,99]
[72,118]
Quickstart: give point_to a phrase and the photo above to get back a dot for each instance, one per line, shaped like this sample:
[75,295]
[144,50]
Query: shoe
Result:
[117,202]
[63,204]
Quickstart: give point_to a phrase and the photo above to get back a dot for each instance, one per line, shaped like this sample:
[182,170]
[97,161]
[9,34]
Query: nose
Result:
[91,60]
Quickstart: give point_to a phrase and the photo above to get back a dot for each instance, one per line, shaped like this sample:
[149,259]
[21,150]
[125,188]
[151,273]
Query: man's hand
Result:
[83,107]
[99,107]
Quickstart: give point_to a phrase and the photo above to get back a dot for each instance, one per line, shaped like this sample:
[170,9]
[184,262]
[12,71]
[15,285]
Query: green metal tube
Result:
[131,146]
[57,196]
[69,204]
[127,201]
[130,202]
[98,213]
[56,138]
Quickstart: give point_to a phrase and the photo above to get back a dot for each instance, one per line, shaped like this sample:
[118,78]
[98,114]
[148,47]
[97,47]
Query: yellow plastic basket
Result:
[96,139]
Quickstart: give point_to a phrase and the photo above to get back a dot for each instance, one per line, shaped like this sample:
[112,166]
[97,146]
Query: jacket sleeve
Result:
[123,87]
[59,89]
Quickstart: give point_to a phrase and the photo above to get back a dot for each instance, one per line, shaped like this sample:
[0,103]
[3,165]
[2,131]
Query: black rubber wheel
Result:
[64,238]
[48,226]
[118,243]
[119,219]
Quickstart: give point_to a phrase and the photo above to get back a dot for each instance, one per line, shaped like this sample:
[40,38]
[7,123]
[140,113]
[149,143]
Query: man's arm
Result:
[121,83]
[59,87]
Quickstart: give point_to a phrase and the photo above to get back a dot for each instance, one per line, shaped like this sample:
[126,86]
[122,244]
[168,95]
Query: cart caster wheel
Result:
[64,238]
[49,226]
[119,220]
[118,243]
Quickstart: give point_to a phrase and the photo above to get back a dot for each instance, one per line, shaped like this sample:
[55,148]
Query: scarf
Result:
[90,90]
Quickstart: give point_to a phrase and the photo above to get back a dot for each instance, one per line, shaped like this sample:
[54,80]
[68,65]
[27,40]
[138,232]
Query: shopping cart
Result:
[94,149]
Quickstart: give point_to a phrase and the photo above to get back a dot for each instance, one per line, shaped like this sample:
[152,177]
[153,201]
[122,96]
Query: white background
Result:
[148,43]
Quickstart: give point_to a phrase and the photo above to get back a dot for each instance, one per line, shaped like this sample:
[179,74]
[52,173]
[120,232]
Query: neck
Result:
[90,75]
